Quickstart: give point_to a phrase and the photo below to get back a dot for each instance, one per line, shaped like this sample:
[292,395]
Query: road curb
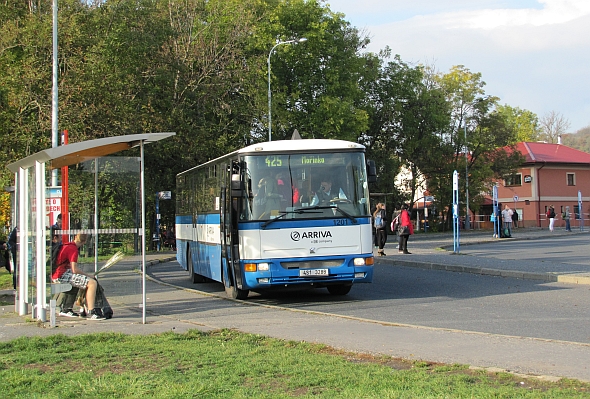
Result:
[544,277]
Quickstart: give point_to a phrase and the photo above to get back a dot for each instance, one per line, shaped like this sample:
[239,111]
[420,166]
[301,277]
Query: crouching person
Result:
[67,271]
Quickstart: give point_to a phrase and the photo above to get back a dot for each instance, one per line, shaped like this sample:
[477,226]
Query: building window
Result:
[513,180]
[571,179]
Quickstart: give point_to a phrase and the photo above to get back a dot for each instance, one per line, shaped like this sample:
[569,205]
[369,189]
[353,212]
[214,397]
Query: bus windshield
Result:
[305,186]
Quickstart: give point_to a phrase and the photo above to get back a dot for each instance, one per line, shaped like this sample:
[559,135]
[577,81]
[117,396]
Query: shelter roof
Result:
[535,152]
[75,153]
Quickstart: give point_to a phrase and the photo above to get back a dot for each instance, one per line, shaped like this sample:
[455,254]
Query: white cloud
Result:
[553,12]
[532,54]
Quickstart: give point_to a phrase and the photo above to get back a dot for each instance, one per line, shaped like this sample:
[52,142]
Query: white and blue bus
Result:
[277,215]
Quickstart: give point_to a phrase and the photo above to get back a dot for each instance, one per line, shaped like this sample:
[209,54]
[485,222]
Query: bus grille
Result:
[316,264]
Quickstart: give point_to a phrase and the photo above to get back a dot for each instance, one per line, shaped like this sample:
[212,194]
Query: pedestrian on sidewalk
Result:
[514,219]
[380,223]
[551,217]
[507,218]
[566,216]
[404,230]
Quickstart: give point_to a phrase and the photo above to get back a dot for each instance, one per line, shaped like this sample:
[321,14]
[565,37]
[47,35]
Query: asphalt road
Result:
[441,299]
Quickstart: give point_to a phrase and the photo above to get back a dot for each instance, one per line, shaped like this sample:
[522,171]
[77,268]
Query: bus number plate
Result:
[313,272]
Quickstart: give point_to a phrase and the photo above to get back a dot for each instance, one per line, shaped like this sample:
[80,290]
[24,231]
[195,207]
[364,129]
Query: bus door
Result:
[229,239]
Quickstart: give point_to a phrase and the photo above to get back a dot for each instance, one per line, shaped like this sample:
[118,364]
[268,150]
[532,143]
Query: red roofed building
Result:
[552,174]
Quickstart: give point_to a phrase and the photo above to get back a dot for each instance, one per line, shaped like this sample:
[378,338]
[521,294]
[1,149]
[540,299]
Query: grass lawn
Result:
[229,364]
[5,279]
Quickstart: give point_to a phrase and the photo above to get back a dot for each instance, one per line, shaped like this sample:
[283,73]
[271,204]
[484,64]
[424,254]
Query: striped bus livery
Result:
[278,215]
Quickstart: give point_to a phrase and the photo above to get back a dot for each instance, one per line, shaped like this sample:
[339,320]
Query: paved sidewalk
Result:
[172,309]
[435,251]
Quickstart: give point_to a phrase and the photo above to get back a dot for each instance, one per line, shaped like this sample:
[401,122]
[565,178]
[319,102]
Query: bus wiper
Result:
[348,215]
[298,211]
[306,210]
[282,215]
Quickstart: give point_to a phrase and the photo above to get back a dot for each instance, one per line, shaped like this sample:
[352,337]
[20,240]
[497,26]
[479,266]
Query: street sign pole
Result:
[157,237]
[515,198]
[495,211]
[456,212]
[581,212]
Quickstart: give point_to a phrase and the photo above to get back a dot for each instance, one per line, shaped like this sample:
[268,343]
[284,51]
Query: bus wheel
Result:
[236,293]
[195,278]
[340,289]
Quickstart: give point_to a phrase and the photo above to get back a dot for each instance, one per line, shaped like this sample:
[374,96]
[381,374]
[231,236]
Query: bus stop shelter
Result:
[30,216]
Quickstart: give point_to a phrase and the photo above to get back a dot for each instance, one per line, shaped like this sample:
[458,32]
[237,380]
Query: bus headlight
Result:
[364,261]
[263,267]
[252,267]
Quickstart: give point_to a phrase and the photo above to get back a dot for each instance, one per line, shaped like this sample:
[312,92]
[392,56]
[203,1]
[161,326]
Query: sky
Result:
[532,54]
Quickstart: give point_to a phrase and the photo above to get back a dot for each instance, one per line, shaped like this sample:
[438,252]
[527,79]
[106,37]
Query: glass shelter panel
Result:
[29,229]
[105,204]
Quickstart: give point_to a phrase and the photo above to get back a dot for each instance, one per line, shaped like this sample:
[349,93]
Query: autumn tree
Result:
[553,125]
[478,137]
[524,122]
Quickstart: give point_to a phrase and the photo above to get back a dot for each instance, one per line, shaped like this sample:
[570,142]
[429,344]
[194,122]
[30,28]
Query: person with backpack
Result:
[551,217]
[405,228]
[68,272]
[380,223]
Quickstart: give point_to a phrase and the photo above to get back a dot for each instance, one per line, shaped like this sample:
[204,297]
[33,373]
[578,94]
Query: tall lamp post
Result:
[467,217]
[294,41]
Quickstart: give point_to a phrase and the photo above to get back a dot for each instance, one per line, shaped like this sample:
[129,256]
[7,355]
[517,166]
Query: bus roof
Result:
[301,145]
[290,146]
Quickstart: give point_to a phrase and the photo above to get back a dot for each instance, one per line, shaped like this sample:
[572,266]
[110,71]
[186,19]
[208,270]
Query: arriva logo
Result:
[296,236]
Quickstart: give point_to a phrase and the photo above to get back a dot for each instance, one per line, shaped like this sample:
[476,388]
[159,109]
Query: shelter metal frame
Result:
[58,157]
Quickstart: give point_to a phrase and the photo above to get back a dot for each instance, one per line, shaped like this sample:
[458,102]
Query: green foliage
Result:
[524,122]
[477,129]
[314,85]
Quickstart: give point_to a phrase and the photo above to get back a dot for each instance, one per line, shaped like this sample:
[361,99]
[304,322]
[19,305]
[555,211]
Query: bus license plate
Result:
[313,272]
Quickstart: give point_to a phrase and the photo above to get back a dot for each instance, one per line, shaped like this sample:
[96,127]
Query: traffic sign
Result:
[165,195]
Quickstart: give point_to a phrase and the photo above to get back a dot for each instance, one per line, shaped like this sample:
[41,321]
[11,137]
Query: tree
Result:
[315,85]
[579,140]
[524,122]
[478,136]
[553,125]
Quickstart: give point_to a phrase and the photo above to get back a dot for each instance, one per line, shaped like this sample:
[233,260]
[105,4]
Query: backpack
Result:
[52,261]
[550,213]
[378,221]
[395,224]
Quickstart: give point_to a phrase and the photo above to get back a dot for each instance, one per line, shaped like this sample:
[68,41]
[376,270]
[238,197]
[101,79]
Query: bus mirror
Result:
[371,171]
[237,185]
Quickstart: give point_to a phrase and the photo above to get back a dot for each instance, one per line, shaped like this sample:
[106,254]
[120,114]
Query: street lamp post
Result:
[294,41]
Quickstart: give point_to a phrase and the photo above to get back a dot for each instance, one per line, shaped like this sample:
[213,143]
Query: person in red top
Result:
[405,230]
[67,271]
